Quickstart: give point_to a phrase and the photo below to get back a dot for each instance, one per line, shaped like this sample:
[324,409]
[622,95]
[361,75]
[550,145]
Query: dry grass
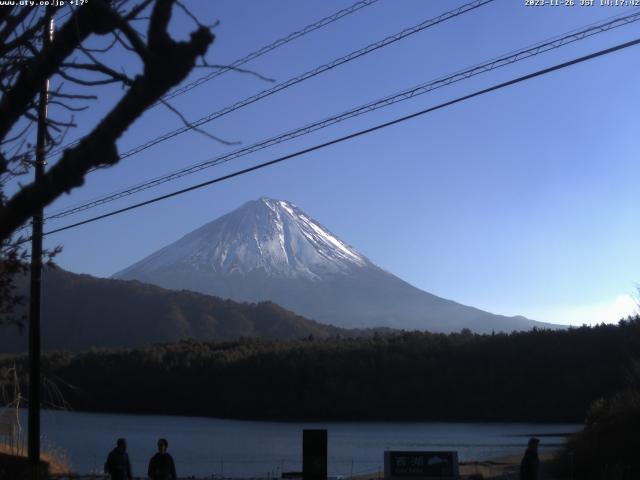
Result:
[503,468]
[56,458]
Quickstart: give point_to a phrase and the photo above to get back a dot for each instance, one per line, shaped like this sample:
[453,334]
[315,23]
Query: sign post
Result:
[314,454]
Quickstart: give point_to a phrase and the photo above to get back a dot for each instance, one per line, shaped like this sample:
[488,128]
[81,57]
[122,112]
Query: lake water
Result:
[206,447]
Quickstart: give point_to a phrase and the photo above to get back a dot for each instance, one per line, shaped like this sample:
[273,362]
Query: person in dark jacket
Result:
[117,465]
[530,462]
[161,466]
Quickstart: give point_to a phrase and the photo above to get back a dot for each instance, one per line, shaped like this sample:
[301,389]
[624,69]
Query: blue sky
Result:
[523,201]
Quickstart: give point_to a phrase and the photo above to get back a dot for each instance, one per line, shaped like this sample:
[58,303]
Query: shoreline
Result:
[505,467]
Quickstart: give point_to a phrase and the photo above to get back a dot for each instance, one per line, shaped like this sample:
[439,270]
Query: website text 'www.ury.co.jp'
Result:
[43,3]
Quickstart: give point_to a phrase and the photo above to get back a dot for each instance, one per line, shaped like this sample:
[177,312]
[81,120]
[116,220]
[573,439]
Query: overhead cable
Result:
[307,75]
[498,62]
[359,133]
[272,46]
[251,56]
[310,74]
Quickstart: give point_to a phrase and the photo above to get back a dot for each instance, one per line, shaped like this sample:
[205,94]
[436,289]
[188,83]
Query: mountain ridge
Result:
[80,311]
[271,250]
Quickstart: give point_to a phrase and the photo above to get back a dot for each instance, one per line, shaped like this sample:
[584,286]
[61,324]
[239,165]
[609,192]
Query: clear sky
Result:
[523,201]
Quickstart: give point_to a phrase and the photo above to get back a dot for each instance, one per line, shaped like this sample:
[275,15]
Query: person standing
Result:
[530,462]
[117,465]
[161,466]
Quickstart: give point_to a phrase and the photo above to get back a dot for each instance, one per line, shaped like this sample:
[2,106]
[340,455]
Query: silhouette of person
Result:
[161,466]
[117,465]
[530,462]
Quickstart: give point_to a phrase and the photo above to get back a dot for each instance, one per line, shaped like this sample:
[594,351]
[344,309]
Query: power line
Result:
[310,74]
[278,43]
[307,75]
[251,56]
[359,133]
[498,62]
[351,56]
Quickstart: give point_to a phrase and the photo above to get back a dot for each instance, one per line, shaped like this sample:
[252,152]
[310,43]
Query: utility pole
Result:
[36,273]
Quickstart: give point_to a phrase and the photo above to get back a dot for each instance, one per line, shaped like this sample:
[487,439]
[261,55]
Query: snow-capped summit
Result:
[270,236]
[271,250]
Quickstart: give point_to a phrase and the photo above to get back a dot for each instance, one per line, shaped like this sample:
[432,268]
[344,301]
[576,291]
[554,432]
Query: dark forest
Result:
[541,375]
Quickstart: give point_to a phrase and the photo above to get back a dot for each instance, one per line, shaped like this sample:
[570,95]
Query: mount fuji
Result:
[271,250]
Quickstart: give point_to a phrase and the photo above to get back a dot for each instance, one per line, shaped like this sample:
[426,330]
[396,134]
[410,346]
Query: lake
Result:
[207,447]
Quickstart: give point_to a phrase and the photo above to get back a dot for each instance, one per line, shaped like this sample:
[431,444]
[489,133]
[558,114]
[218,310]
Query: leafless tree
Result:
[78,62]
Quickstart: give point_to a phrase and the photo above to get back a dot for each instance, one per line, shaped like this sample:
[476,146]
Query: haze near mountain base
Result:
[271,250]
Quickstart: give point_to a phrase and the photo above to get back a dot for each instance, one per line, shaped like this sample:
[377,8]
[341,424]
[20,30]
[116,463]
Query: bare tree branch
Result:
[98,148]
[89,19]
[187,123]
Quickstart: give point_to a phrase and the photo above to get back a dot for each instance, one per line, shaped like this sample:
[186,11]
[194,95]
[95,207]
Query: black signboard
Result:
[424,465]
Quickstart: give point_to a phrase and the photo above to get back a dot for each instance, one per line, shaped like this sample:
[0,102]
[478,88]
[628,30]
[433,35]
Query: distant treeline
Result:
[540,375]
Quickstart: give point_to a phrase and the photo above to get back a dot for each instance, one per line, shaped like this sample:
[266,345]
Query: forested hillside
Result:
[81,311]
[534,376]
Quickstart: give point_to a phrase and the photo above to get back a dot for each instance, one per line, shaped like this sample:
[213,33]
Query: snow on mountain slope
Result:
[271,236]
